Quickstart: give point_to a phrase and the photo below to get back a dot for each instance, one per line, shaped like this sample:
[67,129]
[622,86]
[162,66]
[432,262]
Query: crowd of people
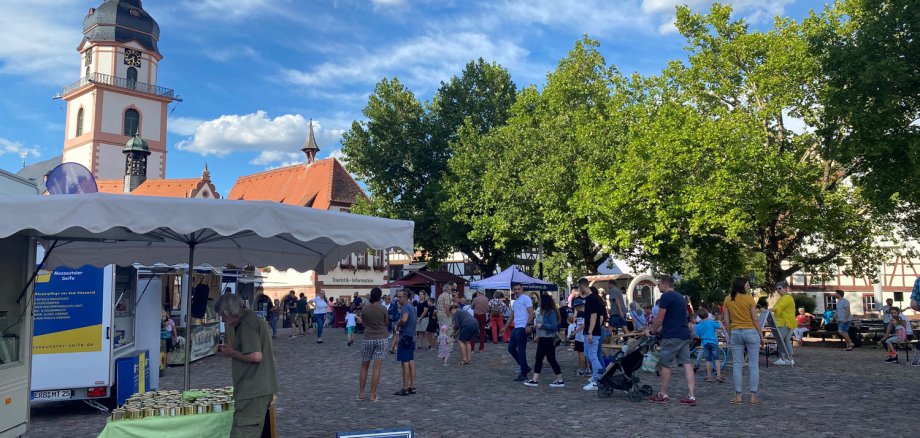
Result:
[409,322]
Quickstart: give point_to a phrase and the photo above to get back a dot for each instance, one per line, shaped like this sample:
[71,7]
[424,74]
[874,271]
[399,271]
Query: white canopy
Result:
[100,229]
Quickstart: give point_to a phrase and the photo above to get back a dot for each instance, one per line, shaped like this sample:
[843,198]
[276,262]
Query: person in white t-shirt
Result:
[844,319]
[522,317]
[320,307]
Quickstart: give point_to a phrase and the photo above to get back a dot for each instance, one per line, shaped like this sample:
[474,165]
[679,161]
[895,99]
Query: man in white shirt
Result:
[844,318]
[522,317]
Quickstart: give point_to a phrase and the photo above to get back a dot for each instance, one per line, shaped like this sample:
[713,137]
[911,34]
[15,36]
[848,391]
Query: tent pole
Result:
[188,313]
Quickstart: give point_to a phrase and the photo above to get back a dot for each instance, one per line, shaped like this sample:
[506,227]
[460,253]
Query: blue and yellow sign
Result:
[68,311]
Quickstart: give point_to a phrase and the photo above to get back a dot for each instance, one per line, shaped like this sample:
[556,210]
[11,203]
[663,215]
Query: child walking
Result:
[706,330]
[445,342]
[580,337]
[351,321]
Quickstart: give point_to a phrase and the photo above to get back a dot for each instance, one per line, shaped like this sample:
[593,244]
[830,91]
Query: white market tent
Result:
[100,229]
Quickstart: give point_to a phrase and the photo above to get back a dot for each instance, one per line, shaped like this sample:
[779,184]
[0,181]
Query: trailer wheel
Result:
[646,390]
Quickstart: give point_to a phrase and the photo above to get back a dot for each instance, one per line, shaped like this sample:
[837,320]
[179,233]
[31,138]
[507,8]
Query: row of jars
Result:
[172,404]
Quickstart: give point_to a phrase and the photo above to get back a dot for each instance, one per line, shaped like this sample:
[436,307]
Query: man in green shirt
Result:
[249,345]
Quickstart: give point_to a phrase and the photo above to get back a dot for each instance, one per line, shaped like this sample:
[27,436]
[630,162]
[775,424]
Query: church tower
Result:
[117,97]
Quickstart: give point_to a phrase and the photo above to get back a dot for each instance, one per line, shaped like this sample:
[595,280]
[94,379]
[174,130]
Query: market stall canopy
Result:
[503,281]
[99,229]
[422,278]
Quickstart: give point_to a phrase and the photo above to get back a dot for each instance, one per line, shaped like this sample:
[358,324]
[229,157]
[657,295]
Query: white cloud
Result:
[16,148]
[184,126]
[277,139]
[422,60]
[269,157]
[604,18]
[40,42]
[229,11]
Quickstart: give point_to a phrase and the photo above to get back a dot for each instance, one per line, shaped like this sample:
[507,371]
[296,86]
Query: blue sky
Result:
[252,72]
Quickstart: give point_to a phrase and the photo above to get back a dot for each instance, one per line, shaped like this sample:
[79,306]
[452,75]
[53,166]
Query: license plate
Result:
[62,394]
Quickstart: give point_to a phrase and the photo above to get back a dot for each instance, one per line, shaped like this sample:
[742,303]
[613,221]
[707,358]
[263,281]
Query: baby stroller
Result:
[622,373]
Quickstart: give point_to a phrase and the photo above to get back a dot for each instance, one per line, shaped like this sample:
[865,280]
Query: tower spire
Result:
[309,147]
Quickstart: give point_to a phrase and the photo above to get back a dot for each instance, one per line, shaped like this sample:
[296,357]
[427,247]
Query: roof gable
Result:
[323,184]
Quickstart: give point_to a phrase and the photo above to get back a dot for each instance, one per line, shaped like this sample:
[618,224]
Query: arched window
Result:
[132,77]
[80,122]
[132,121]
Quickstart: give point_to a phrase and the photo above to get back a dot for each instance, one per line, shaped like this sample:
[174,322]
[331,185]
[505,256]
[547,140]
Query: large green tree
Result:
[870,63]
[712,164]
[560,138]
[402,148]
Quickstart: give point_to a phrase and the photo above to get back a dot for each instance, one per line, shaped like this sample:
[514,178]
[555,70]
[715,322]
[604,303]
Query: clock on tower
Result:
[117,95]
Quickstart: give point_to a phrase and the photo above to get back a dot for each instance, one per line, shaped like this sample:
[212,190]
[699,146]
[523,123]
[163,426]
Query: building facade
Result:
[323,184]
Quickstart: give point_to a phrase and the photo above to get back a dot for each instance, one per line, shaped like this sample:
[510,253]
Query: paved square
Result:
[828,393]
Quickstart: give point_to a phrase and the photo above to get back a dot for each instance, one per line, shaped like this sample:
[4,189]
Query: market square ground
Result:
[828,393]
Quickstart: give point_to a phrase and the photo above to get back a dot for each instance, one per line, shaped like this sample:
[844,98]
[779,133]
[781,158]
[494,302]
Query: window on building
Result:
[830,301]
[362,259]
[346,262]
[869,303]
[80,122]
[132,77]
[87,71]
[132,122]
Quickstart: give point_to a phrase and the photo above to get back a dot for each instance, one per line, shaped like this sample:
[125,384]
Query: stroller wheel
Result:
[635,394]
[603,390]
[646,390]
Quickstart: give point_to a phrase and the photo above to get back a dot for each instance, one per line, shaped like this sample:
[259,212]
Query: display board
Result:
[204,339]
[71,314]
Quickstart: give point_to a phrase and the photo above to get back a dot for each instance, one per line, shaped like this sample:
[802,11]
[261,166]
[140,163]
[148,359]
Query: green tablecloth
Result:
[212,425]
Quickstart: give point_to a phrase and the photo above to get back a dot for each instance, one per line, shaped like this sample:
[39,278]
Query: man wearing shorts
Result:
[304,319]
[844,318]
[405,350]
[671,323]
[374,346]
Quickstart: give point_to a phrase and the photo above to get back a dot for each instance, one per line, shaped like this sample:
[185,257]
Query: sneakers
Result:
[520,378]
[892,359]
[780,362]
[591,386]
[581,372]
[660,399]
[349,343]
[531,383]
[688,401]
[557,384]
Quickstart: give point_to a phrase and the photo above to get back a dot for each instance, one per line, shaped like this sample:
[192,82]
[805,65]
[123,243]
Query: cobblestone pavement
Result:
[828,393]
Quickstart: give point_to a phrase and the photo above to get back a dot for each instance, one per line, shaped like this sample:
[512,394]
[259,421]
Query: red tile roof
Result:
[323,184]
[173,188]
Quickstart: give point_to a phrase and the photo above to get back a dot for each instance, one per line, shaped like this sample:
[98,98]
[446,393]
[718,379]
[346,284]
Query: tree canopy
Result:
[754,154]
